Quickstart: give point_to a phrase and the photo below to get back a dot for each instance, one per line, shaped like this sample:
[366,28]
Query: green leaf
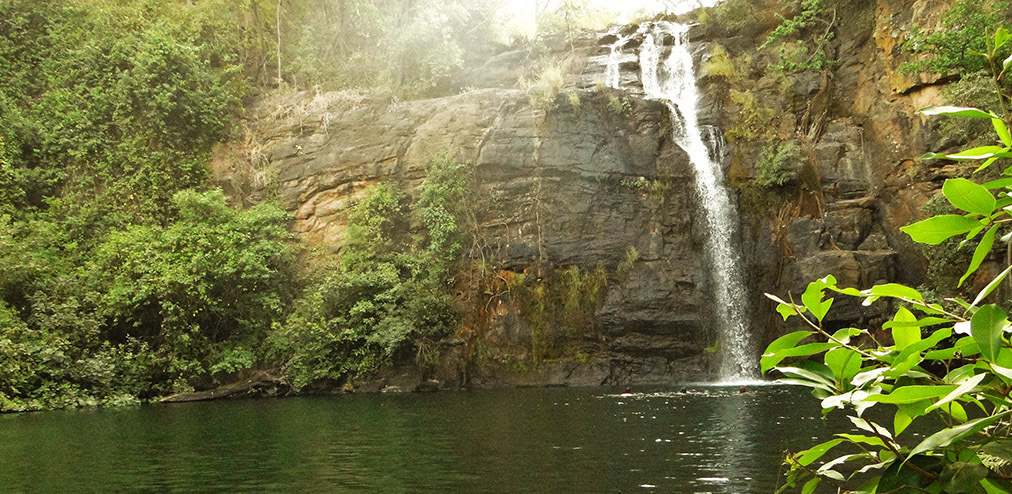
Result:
[945,437]
[920,346]
[955,410]
[996,486]
[845,364]
[988,162]
[964,388]
[956,111]
[982,250]
[808,374]
[786,309]
[868,376]
[1002,131]
[986,327]
[962,477]
[919,323]
[853,292]
[844,335]
[991,286]
[960,374]
[896,290]
[808,384]
[903,335]
[1000,183]
[978,153]
[812,298]
[938,229]
[869,440]
[1000,448]
[990,153]
[1002,372]
[770,357]
[969,196]
[913,393]
[810,486]
[806,349]
[902,420]
[1001,36]
[867,425]
[806,457]
[898,479]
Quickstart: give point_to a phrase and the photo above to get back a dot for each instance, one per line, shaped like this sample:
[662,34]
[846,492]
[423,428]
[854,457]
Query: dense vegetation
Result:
[123,277]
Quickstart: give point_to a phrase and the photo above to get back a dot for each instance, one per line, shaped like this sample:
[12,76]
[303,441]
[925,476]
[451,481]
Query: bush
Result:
[720,65]
[778,165]
[544,91]
[390,298]
[754,122]
[118,109]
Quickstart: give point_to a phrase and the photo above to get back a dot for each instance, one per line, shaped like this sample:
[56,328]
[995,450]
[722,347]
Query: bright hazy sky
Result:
[523,10]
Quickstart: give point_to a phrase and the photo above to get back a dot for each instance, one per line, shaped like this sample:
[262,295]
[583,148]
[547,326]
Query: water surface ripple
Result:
[705,439]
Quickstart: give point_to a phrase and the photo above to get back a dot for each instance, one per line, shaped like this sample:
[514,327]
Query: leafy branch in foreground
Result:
[953,365]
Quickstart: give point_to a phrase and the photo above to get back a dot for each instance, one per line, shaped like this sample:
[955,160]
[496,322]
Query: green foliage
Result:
[813,26]
[978,90]
[203,290]
[625,268]
[964,35]
[121,279]
[945,259]
[620,106]
[949,364]
[544,91]
[754,122]
[113,110]
[390,297]
[735,15]
[778,165]
[574,100]
[559,309]
[442,203]
[149,310]
[570,16]
[720,65]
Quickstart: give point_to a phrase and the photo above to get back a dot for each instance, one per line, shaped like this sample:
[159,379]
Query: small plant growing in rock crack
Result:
[620,106]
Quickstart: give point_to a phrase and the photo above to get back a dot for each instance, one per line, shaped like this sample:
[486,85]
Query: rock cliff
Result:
[595,181]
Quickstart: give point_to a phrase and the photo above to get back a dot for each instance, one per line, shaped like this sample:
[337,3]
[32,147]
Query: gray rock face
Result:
[584,185]
[576,186]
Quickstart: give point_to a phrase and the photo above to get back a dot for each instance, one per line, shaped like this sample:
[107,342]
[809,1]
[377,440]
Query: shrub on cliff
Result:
[778,165]
[390,298]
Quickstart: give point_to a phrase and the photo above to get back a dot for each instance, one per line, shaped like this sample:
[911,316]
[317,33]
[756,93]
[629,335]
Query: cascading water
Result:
[673,81]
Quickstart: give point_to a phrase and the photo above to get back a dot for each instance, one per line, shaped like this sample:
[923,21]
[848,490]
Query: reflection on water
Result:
[700,439]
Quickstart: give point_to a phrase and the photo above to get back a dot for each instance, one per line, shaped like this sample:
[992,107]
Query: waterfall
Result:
[672,80]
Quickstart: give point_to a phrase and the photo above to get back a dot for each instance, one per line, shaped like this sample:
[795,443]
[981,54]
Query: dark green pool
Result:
[589,440]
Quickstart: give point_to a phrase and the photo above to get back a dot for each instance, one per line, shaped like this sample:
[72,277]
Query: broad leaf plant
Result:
[949,367]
